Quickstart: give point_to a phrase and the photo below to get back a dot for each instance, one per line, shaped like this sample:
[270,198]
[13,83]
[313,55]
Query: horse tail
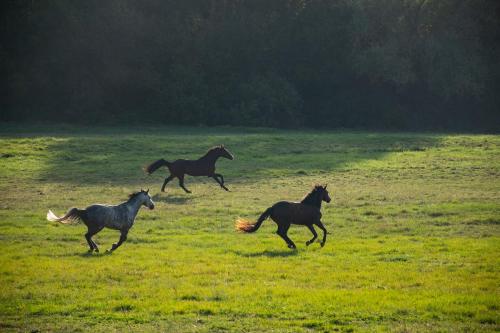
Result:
[246,226]
[155,166]
[71,216]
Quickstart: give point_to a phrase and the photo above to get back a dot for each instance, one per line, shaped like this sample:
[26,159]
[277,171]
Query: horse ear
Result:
[325,186]
[147,191]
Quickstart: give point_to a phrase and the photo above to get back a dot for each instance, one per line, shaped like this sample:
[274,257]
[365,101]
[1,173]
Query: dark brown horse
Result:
[284,213]
[204,166]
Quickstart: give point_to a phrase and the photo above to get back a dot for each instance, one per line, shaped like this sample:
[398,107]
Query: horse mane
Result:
[212,149]
[311,196]
[133,195]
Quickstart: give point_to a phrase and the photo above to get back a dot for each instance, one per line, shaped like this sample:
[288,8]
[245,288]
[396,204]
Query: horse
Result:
[284,213]
[204,166]
[120,217]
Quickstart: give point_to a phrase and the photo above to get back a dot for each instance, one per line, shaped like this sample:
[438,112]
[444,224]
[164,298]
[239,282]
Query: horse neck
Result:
[134,205]
[210,156]
[313,199]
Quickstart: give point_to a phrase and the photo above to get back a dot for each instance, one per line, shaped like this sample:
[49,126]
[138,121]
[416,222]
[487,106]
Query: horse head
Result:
[147,201]
[325,196]
[223,152]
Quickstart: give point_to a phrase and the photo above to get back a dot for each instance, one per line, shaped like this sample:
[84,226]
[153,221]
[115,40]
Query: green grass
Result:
[414,223]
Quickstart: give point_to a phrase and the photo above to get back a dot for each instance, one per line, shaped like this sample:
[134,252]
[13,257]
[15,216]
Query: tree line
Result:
[390,64]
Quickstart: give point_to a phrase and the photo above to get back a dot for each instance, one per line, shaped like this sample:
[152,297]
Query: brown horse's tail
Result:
[72,216]
[155,166]
[246,226]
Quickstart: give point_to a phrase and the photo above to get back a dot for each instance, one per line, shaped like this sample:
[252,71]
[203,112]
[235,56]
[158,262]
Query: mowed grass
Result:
[413,246]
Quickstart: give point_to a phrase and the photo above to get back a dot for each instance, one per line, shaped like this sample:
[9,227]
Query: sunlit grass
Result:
[413,244]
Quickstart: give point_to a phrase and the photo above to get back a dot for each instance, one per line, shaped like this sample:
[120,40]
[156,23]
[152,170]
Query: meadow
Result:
[414,228]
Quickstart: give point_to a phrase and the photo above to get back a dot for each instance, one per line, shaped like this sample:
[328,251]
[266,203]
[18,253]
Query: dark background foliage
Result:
[394,64]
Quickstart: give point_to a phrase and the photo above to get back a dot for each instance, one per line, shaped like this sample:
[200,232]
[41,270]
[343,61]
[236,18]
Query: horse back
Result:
[192,168]
[295,213]
[113,217]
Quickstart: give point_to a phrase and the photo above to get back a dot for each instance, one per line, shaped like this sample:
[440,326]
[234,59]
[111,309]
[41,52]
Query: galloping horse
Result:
[204,166]
[284,213]
[96,217]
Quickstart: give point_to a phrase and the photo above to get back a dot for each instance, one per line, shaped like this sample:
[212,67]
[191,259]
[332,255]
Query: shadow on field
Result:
[89,255]
[171,199]
[267,253]
[104,252]
[118,158]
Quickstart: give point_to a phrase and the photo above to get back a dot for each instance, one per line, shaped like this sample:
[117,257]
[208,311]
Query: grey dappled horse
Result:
[120,217]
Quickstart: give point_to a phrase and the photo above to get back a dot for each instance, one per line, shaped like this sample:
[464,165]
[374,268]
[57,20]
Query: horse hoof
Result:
[292,246]
[96,250]
[308,243]
[90,251]
[322,244]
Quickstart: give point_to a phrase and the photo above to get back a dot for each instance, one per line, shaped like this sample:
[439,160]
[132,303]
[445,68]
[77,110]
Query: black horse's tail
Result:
[246,226]
[72,216]
[155,166]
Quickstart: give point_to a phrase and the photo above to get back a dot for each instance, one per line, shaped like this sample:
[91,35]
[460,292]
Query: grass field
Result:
[414,226]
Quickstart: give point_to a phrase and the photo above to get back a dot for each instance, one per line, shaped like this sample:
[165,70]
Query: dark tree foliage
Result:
[395,64]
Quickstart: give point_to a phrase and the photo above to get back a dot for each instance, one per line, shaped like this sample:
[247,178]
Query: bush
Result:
[268,101]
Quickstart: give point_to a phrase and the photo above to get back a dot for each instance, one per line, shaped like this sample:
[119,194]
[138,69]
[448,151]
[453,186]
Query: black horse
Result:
[284,213]
[204,166]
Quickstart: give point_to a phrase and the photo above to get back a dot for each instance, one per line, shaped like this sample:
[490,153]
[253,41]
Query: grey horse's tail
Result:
[155,166]
[72,216]
[245,226]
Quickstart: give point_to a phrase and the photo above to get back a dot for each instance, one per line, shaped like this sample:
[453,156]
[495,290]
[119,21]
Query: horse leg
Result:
[322,227]
[221,182]
[90,242]
[169,178]
[181,184]
[315,235]
[282,230]
[123,238]
[220,176]
[88,236]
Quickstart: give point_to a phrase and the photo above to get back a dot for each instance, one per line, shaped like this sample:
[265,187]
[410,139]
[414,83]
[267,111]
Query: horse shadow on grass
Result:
[84,254]
[172,199]
[267,253]
[93,255]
